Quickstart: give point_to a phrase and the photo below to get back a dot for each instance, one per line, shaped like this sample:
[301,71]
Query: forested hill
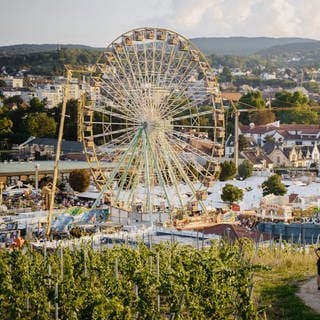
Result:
[244,46]
[49,62]
[49,59]
[36,48]
[239,46]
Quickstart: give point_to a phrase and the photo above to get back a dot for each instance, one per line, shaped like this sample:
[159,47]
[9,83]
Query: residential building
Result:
[258,158]
[13,82]
[286,134]
[292,156]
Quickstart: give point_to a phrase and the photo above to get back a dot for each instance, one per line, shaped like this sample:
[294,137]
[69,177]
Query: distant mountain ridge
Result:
[244,46]
[238,46]
[18,49]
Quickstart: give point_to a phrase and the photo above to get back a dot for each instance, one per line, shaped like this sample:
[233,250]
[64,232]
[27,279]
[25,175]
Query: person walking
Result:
[318,267]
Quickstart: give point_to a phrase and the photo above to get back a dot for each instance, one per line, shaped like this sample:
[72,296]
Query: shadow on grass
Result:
[285,305]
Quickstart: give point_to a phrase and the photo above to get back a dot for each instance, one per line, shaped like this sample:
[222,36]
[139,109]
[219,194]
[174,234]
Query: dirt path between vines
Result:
[310,294]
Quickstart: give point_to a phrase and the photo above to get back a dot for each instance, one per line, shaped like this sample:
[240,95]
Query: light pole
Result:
[36,167]
[1,189]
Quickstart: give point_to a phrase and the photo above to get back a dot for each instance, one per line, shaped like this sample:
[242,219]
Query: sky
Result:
[98,22]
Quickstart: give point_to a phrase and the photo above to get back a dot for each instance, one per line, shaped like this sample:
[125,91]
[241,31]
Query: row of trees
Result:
[298,108]
[231,193]
[272,185]
[162,282]
[229,170]
[19,120]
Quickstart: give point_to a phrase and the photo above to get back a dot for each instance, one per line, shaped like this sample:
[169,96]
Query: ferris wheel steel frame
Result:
[160,118]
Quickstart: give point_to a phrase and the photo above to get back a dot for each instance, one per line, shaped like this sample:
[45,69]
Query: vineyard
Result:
[162,282]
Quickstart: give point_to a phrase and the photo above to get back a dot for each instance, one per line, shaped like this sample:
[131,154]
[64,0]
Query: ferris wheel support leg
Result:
[116,169]
[159,174]
[147,176]
[173,179]
[124,176]
[185,177]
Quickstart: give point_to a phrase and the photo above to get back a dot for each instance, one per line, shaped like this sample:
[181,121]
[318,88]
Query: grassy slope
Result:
[276,289]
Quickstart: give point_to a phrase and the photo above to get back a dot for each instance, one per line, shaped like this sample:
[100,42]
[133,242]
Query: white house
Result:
[286,134]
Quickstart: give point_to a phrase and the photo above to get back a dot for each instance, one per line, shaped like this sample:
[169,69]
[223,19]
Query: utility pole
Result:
[58,152]
[236,134]
[236,138]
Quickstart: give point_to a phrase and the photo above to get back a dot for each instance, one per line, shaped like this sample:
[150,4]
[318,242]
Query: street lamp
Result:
[1,189]
[36,167]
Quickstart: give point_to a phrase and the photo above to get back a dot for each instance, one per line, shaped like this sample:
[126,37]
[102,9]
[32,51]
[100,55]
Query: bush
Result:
[79,180]
[228,170]
[245,169]
[231,193]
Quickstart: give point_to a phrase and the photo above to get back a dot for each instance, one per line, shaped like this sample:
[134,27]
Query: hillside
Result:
[244,46]
[233,52]
[36,48]
[239,46]
[296,54]
[49,62]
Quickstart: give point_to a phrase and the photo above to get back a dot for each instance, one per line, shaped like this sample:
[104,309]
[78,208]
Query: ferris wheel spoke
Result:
[122,95]
[122,140]
[158,172]
[177,90]
[116,169]
[111,113]
[184,175]
[127,76]
[200,168]
[109,133]
[181,144]
[133,77]
[114,101]
[182,136]
[161,53]
[113,123]
[172,175]
[190,102]
[127,167]
[199,114]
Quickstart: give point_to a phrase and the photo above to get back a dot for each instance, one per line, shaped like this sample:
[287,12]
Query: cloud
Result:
[276,18]
[98,22]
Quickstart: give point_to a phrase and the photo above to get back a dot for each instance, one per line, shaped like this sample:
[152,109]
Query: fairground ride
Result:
[153,107]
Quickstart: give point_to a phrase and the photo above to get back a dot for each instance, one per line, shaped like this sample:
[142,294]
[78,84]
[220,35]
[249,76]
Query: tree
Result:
[231,193]
[41,125]
[70,124]
[5,126]
[262,117]
[274,185]
[300,104]
[253,99]
[245,169]
[243,142]
[226,75]
[228,170]
[79,180]
[35,105]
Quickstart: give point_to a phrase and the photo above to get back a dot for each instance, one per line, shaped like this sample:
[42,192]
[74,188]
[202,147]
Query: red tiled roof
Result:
[233,231]
[284,128]
[257,129]
[233,96]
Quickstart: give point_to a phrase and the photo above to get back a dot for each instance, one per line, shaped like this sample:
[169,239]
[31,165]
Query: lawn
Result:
[275,288]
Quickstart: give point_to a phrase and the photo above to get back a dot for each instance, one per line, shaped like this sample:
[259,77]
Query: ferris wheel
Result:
[156,115]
